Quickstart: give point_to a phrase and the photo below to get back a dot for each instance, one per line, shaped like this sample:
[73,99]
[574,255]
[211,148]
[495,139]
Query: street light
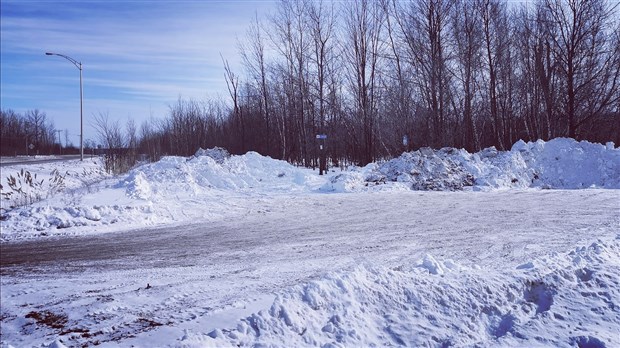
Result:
[79,66]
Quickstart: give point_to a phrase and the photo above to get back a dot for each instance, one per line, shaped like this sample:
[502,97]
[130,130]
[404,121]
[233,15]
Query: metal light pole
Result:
[79,66]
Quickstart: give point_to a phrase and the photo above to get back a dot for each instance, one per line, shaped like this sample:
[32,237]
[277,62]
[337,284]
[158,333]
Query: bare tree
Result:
[322,25]
[254,58]
[109,132]
[66,131]
[232,83]
[493,14]
[363,45]
[466,73]
[35,123]
[14,137]
[111,137]
[580,38]
[290,39]
[425,30]
[467,33]
[150,142]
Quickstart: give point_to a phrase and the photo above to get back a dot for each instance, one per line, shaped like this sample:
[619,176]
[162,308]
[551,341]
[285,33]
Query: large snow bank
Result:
[208,185]
[566,163]
[560,300]
[559,164]
[208,171]
[212,183]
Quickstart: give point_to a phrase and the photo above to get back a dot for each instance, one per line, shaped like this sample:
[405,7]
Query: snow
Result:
[568,300]
[213,185]
[559,164]
[518,248]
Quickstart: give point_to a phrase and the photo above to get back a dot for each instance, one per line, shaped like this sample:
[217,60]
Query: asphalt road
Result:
[165,246]
[4,162]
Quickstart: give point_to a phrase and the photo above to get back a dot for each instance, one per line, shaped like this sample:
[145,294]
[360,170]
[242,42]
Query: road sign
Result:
[31,146]
[321,136]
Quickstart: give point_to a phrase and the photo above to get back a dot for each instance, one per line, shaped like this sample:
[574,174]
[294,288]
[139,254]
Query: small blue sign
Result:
[321,136]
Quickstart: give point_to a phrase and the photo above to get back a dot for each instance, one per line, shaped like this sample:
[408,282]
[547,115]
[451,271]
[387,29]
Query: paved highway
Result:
[12,161]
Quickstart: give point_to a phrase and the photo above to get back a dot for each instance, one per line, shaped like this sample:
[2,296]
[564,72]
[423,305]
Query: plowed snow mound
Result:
[559,163]
[205,185]
[566,163]
[219,154]
[216,169]
[443,304]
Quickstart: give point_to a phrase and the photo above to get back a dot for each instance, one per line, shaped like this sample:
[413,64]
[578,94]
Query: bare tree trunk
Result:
[232,83]
[580,35]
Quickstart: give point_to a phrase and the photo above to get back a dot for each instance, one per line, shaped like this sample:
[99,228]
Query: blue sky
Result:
[138,56]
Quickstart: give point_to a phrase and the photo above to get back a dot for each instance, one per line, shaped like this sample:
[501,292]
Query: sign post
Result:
[322,158]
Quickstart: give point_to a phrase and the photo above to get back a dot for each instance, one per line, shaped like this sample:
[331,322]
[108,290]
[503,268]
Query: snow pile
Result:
[426,169]
[212,170]
[219,154]
[208,185]
[361,179]
[137,185]
[561,300]
[44,220]
[211,184]
[559,164]
[566,163]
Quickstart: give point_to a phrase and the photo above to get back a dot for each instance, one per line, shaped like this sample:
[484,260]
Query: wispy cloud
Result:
[141,53]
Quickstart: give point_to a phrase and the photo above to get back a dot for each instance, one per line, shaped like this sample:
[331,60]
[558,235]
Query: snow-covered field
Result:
[519,248]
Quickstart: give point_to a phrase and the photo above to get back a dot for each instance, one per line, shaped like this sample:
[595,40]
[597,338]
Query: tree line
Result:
[30,133]
[382,76]
[378,77]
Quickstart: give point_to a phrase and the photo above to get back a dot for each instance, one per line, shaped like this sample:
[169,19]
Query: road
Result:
[322,228]
[12,161]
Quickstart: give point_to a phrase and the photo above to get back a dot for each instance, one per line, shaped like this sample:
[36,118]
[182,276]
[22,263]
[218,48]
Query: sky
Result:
[138,56]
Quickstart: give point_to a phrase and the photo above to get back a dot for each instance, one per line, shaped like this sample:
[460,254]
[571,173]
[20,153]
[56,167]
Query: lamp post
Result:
[79,66]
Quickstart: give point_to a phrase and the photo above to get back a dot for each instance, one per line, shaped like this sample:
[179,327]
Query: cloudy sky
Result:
[138,56]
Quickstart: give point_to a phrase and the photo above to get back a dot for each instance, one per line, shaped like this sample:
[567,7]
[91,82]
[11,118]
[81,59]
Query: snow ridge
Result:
[561,300]
[212,183]
[560,163]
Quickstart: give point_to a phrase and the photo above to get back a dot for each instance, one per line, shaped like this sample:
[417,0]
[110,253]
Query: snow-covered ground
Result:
[212,185]
[247,250]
